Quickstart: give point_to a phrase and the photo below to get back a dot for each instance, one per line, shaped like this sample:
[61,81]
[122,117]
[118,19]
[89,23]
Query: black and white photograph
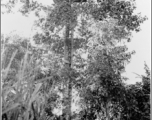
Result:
[76,60]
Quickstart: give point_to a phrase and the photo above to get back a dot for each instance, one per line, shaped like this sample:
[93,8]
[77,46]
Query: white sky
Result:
[141,42]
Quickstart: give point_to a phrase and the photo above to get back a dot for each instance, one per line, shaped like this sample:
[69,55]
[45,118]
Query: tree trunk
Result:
[68,58]
[107,111]
[68,61]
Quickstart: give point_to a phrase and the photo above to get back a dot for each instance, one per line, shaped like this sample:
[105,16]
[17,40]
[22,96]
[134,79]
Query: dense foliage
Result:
[34,77]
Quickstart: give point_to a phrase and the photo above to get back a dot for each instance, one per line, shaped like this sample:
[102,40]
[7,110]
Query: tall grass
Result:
[21,88]
[22,91]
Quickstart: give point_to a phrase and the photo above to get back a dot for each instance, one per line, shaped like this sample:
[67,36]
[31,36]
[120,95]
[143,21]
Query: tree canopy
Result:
[77,51]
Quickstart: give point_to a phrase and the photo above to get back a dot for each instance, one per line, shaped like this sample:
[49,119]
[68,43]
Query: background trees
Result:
[140,99]
[94,30]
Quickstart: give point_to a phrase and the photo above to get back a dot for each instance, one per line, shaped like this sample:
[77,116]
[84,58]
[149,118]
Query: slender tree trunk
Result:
[68,58]
[68,61]
[107,111]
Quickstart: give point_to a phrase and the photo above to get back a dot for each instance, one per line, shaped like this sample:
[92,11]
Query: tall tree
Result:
[107,87]
[64,15]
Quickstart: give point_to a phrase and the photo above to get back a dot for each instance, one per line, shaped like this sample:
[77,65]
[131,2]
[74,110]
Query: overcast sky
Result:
[141,42]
